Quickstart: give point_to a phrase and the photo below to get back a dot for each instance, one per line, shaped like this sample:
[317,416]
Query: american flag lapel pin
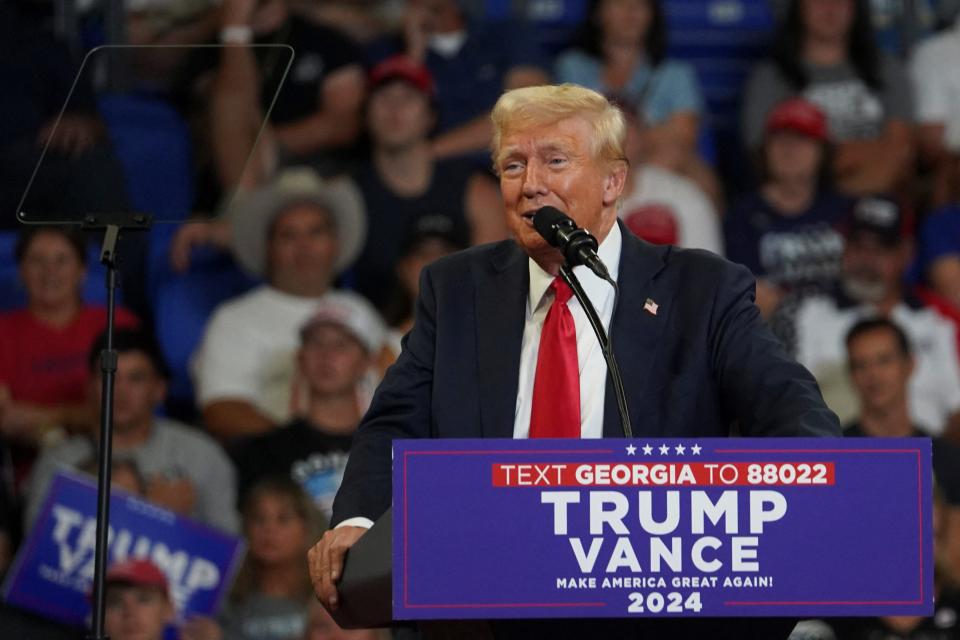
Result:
[650,306]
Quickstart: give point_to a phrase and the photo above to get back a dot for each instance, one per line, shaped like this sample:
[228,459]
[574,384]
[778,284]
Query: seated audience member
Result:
[880,364]
[124,474]
[877,252]
[402,182]
[429,239]
[621,52]
[44,347]
[824,51]
[138,602]
[80,172]
[298,233]
[936,85]
[184,470]
[272,591]
[472,62]
[316,115]
[339,345]
[663,207]
[786,231]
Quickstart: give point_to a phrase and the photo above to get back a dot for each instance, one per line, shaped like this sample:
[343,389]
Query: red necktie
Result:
[556,388]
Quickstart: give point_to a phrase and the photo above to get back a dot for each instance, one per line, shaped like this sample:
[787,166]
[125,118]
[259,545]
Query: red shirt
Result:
[47,365]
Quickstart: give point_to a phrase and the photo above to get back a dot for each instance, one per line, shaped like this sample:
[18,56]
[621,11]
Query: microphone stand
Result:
[113,223]
[606,343]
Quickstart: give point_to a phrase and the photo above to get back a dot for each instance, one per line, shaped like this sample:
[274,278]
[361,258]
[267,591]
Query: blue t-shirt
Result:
[469,83]
[792,252]
[657,92]
[939,236]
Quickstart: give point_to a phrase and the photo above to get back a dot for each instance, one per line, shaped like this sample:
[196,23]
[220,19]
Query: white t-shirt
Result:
[666,208]
[935,385]
[935,73]
[248,349]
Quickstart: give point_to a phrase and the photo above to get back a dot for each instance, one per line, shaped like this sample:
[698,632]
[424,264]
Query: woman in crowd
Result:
[44,346]
[270,596]
[825,51]
[621,52]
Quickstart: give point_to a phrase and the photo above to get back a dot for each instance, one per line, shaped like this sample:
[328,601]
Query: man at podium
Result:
[500,349]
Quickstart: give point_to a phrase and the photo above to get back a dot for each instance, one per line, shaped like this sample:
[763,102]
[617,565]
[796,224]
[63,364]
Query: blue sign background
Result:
[52,574]
[464,548]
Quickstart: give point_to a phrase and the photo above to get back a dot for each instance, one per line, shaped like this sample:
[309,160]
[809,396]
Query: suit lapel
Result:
[501,314]
[636,328]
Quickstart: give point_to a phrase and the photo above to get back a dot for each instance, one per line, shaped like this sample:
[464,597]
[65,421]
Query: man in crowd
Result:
[876,256]
[881,363]
[315,116]
[472,63]
[184,470]
[298,233]
[486,357]
[402,182]
[138,603]
[338,347]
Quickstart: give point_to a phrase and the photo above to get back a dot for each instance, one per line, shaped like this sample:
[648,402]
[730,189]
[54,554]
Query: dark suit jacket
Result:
[705,361]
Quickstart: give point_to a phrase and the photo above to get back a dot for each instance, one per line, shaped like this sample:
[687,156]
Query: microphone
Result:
[577,245]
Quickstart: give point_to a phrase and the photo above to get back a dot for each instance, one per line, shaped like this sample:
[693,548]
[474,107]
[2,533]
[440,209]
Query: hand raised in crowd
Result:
[200,628]
[416,21]
[194,235]
[72,134]
[326,562]
[175,494]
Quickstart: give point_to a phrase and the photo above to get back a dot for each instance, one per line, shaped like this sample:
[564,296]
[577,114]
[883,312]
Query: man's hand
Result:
[326,562]
[193,235]
[177,494]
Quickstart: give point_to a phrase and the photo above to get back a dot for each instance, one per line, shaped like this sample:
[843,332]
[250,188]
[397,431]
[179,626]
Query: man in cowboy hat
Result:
[297,233]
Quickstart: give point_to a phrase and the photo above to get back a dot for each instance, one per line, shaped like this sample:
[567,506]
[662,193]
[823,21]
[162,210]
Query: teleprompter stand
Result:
[112,224]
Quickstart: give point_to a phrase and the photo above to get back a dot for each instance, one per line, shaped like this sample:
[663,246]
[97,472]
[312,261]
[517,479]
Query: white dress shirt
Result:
[593,367]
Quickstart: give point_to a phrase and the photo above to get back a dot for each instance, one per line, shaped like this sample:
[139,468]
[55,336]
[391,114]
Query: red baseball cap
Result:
[800,116]
[400,67]
[139,572]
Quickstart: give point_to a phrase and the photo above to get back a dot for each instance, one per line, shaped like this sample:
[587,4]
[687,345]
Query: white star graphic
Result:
[631,450]
[696,449]
[664,449]
[680,449]
[647,449]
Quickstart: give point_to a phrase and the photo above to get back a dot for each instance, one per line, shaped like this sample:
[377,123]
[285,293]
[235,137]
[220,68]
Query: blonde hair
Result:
[531,107]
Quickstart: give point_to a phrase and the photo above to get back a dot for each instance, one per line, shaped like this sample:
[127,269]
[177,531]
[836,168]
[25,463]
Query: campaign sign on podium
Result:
[662,527]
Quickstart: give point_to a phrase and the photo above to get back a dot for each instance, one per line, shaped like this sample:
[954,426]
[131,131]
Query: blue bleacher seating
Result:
[182,303]
[153,144]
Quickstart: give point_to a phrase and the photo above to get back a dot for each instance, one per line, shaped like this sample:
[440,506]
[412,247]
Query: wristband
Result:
[236,34]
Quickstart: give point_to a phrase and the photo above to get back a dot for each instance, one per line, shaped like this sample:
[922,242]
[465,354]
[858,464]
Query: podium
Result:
[655,530]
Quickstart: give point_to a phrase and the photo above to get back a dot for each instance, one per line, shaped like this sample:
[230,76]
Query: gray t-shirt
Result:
[854,110]
[173,450]
[263,617]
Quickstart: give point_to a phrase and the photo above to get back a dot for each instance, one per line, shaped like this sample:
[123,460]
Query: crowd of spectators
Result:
[330,196]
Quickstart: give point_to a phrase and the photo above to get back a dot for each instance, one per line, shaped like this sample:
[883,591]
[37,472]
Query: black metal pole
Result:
[108,368]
